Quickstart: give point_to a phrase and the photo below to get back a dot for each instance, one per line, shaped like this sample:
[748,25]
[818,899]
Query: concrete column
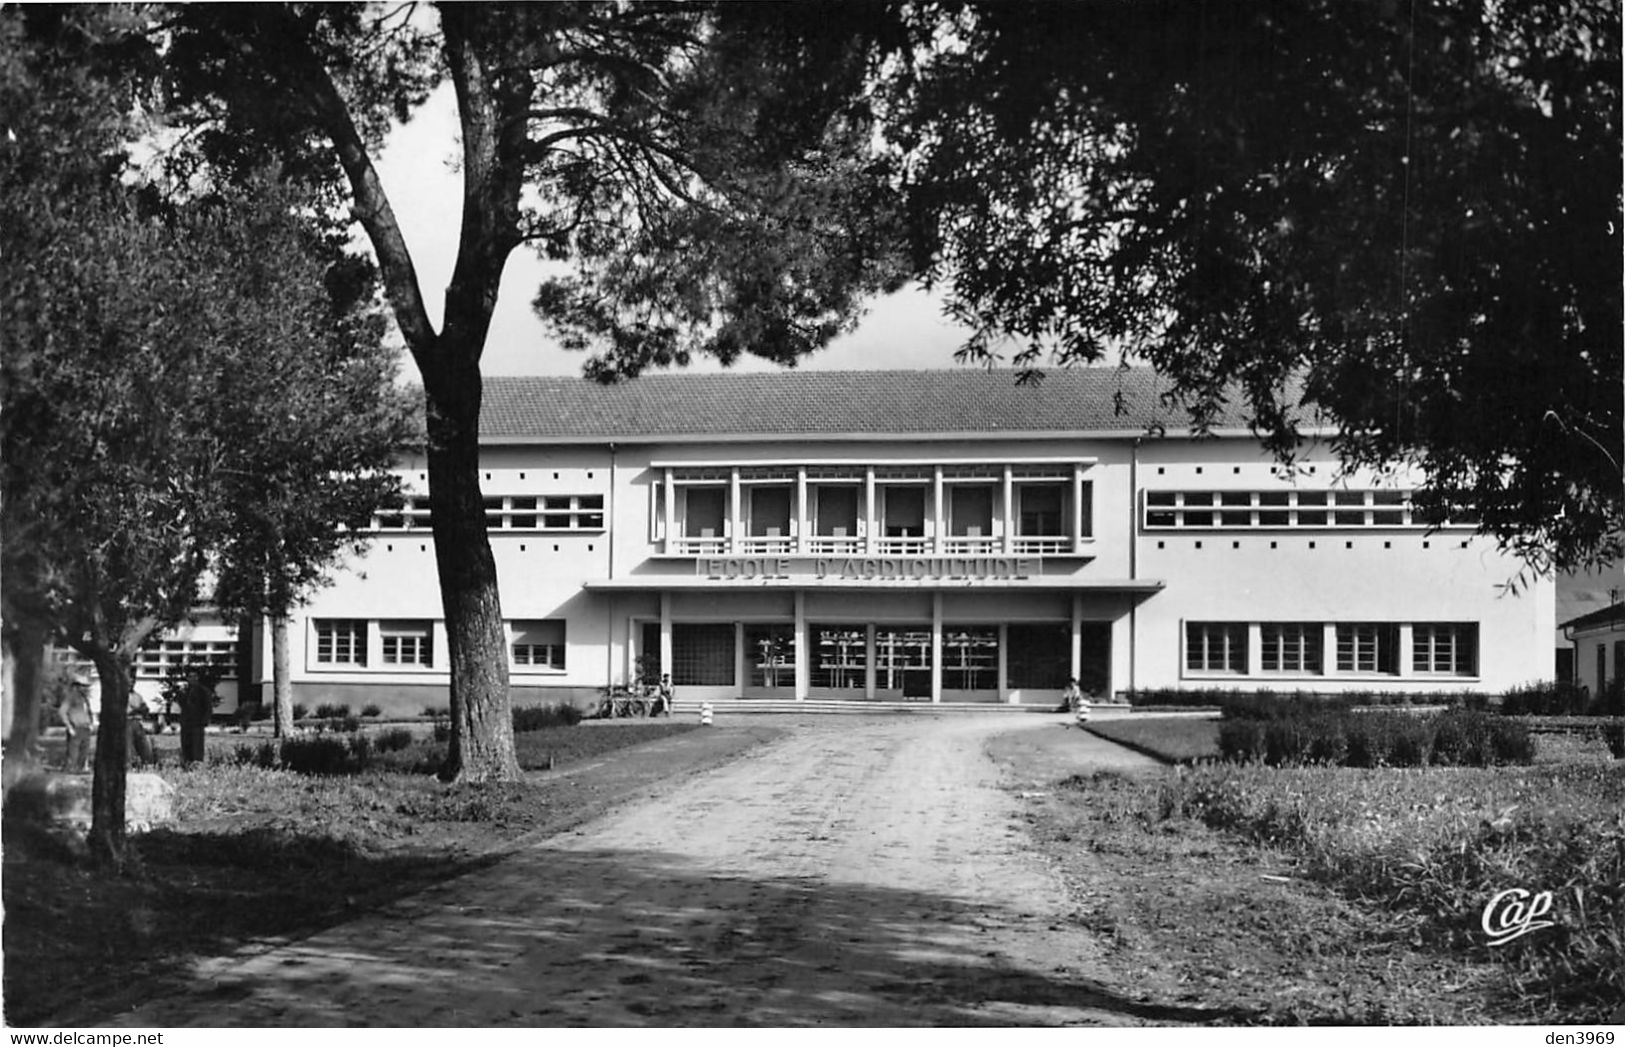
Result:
[1004,665]
[665,632]
[870,525]
[936,634]
[1406,644]
[735,511]
[1328,649]
[869,660]
[669,524]
[937,519]
[803,649]
[1255,648]
[1007,543]
[1077,635]
[1077,506]
[798,523]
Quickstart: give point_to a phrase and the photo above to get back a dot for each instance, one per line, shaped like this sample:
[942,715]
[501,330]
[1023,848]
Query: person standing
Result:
[665,695]
[1072,697]
[79,720]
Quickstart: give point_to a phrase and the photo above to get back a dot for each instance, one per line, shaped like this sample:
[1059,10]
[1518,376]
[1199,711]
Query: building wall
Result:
[1399,576]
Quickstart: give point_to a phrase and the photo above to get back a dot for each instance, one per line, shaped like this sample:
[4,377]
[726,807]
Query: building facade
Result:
[1599,647]
[917,536]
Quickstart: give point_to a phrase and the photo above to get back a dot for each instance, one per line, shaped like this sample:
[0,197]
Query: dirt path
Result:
[852,873]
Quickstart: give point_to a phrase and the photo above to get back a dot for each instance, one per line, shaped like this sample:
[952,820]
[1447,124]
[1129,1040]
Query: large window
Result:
[702,654]
[770,651]
[1040,510]
[704,510]
[836,510]
[1216,647]
[1038,656]
[407,643]
[411,515]
[770,511]
[1368,647]
[539,644]
[1445,648]
[841,653]
[1291,647]
[970,657]
[904,512]
[903,660]
[158,658]
[970,511]
[341,641]
[1232,509]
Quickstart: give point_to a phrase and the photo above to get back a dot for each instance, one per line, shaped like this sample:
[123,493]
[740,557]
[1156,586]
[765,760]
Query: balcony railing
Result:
[970,545]
[760,546]
[699,546]
[1047,545]
[825,545]
[828,545]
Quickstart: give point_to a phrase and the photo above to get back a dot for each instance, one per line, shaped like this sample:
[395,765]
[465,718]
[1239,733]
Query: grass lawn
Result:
[1176,739]
[262,853]
[1349,896]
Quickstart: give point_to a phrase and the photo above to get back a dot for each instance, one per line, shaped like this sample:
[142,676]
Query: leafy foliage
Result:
[1404,220]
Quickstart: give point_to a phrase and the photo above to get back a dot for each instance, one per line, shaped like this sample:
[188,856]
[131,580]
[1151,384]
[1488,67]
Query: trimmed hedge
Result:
[1457,738]
[1250,698]
[541,717]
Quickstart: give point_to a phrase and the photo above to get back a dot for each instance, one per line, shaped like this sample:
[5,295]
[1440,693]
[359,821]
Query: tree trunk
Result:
[107,840]
[281,684]
[481,747]
[25,660]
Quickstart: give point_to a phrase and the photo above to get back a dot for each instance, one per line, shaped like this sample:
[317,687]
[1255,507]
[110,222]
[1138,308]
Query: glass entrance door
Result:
[903,662]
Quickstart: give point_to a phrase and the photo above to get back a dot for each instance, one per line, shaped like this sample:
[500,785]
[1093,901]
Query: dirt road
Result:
[851,873]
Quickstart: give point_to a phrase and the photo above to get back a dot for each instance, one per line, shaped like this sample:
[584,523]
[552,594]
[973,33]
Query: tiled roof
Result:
[1605,616]
[831,403]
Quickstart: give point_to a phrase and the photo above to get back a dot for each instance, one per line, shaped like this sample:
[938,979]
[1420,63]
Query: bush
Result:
[1614,735]
[1545,699]
[332,712]
[371,711]
[299,711]
[320,754]
[540,717]
[437,712]
[1241,741]
[393,740]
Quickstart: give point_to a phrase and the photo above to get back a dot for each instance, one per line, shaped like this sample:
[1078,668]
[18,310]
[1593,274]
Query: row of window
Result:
[158,659]
[571,512]
[901,510]
[843,656]
[1173,510]
[347,643]
[1300,648]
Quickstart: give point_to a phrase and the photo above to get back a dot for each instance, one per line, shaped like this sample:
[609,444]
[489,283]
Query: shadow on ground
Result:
[625,939]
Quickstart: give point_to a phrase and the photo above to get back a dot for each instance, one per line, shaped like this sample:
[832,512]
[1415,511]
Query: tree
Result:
[316,428]
[142,335]
[699,165]
[1406,215]
[65,76]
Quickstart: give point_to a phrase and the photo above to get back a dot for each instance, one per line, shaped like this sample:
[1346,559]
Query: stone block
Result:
[61,800]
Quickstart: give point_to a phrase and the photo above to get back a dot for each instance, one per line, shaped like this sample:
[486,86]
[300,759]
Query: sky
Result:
[905,330]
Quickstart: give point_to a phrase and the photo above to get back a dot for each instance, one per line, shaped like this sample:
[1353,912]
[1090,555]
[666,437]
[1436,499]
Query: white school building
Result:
[942,537]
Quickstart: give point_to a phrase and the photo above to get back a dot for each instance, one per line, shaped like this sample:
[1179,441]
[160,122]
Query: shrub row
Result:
[1248,697]
[323,754]
[1564,699]
[1462,738]
[540,717]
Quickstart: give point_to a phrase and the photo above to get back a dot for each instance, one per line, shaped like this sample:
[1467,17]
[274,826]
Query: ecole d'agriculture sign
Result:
[865,568]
